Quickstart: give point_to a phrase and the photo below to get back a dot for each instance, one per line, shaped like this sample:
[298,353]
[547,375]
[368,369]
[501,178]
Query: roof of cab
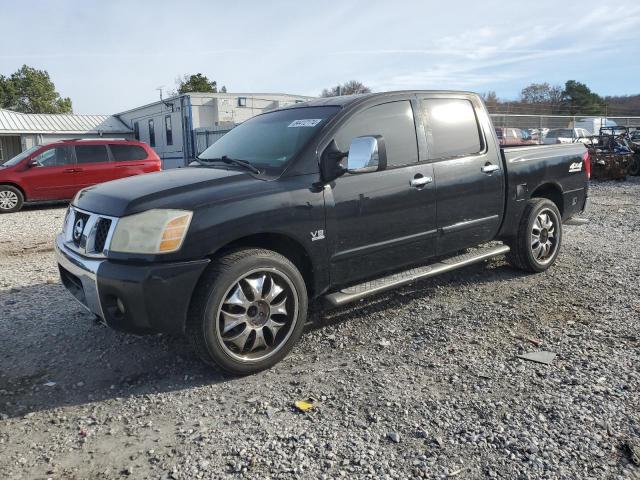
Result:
[344,100]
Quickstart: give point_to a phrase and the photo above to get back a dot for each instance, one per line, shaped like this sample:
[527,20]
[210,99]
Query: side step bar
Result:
[356,292]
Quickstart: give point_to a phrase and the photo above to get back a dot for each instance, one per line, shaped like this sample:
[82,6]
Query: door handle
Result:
[70,170]
[489,167]
[421,181]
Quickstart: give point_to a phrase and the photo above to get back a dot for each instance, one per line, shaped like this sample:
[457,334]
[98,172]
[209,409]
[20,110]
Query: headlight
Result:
[153,231]
[67,218]
[77,197]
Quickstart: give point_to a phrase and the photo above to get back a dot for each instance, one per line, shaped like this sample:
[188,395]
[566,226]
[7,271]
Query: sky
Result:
[110,56]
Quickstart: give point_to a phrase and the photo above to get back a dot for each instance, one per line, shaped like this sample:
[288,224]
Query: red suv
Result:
[58,170]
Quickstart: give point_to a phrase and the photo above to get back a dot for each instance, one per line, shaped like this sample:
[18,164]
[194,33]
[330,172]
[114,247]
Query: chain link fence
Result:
[533,127]
[558,121]
[206,137]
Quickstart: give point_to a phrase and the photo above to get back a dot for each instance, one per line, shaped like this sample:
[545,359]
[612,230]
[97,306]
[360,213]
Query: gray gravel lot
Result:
[421,382]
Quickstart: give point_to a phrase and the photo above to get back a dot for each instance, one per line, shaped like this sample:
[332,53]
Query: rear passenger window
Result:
[91,153]
[125,153]
[394,121]
[452,128]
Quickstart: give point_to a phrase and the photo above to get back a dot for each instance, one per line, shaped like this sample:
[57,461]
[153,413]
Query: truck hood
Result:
[182,188]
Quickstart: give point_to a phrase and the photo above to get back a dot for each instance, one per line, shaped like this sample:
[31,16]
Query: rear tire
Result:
[248,311]
[539,237]
[11,199]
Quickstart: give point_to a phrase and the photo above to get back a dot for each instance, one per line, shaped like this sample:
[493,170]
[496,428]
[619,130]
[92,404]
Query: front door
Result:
[467,168]
[381,221]
[51,175]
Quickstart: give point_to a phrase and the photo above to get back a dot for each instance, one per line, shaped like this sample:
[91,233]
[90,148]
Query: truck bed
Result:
[564,163]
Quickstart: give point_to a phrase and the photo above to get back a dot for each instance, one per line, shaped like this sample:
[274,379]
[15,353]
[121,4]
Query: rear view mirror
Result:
[366,154]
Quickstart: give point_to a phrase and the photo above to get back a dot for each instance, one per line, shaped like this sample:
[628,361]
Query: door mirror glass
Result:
[364,155]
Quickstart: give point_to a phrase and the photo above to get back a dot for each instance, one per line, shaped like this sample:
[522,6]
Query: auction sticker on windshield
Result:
[305,122]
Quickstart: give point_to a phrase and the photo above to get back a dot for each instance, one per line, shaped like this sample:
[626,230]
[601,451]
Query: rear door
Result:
[93,164]
[130,159]
[381,221]
[467,168]
[52,176]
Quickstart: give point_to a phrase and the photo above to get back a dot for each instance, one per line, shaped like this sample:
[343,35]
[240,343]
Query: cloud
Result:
[493,55]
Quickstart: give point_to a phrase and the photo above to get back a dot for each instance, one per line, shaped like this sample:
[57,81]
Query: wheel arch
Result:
[551,191]
[15,185]
[285,245]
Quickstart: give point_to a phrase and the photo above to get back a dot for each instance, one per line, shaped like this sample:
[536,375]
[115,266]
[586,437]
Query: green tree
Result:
[577,98]
[352,87]
[198,83]
[31,91]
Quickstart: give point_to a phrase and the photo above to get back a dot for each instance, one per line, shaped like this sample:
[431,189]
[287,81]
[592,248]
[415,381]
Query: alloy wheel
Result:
[257,315]
[8,200]
[543,236]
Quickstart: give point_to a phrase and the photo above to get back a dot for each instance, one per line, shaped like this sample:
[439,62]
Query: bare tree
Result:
[542,93]
[352,87]
[491,100]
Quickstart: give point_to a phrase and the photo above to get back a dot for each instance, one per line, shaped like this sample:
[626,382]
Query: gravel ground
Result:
[421,382]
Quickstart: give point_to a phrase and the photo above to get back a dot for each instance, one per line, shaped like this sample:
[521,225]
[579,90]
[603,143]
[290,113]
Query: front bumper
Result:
[133,298]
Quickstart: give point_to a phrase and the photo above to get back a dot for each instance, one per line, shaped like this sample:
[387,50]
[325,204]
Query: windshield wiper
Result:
[231,161]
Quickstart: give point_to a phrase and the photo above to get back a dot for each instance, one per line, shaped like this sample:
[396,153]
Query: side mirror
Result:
[32,163]
[366,154]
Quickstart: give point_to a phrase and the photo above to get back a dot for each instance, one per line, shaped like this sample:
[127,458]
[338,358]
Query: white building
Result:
[180,127]
[20,131]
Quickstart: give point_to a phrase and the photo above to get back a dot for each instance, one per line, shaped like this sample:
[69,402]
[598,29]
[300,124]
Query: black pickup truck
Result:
[330,200]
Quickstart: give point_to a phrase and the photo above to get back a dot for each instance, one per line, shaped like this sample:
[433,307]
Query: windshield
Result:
[270,140]
[561,133]
[21,156]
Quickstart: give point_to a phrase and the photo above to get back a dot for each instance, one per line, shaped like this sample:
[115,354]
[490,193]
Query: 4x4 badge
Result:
[575,167]
[317,235]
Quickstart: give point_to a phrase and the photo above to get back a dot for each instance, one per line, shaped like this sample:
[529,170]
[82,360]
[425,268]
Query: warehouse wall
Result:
[171,155]
[9,147]
[198,112]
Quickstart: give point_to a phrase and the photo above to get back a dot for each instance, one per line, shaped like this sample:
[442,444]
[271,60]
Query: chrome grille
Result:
[88,233]
[102,231]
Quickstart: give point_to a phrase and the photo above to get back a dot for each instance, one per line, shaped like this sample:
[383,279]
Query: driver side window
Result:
[394,121]
[54,157]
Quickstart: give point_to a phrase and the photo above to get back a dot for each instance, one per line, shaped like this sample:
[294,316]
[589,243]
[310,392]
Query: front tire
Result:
[539,237]
[634,167]
[248,311]
[11,199]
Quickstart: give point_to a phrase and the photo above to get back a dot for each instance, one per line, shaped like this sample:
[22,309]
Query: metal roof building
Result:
[19,131]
